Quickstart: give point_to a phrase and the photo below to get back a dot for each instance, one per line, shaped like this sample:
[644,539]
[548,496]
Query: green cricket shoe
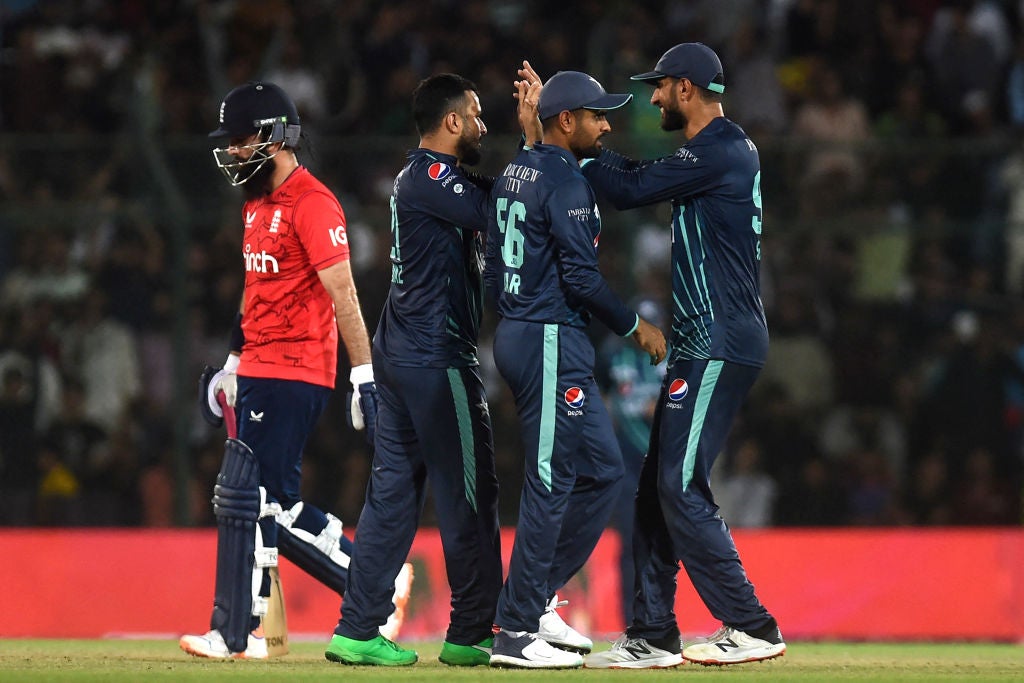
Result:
[467,655]
[377,651]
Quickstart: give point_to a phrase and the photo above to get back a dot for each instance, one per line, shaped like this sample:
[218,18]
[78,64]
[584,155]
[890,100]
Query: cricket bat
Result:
[275,623]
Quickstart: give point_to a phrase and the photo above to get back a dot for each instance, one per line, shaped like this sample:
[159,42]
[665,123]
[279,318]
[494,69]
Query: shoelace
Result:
[721,634]
[557,605]
[621,642]
[391,644]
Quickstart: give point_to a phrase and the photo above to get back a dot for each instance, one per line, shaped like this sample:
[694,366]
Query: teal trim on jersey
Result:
[465,434]
[700,411]
[706,295]
[700,299]
[548,405]
[702,336]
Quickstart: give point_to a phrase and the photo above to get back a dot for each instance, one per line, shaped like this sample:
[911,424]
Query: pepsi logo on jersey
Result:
[439,170]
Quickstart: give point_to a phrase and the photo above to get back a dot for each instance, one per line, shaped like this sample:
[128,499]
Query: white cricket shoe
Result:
[403,588]
[634,653]
[554,630]
[522,650]
[729,646]
[211,644]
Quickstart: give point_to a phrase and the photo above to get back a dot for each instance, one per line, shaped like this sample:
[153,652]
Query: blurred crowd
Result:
[891,142]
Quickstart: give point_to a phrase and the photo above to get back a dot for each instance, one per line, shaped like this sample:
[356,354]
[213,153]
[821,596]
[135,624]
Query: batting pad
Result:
[236,504]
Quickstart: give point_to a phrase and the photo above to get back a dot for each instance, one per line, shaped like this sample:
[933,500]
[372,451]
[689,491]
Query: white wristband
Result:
[231,364]
[361,374]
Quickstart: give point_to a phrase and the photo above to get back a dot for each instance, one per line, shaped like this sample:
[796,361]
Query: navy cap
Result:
[569,90]
[247,108]
[695,62]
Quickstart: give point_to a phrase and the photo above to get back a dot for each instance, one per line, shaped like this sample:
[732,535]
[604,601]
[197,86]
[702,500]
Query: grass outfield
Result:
[148,660]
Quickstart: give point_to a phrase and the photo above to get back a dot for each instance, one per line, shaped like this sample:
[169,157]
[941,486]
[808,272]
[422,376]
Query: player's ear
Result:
[684,87]
[452,122]
[567,121]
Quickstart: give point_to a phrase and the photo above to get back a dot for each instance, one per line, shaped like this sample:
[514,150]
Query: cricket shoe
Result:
[211,644]
[403,588]
[637,653]
[730,646]
[555,631]
[522,650]
[467,655]
[378,651]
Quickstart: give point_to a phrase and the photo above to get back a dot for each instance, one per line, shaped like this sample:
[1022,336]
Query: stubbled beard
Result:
[468,151]
[672,119]
[591,152]
[258,184]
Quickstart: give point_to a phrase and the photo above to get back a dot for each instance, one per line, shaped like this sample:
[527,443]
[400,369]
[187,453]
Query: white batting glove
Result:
[360,374]
[225,380]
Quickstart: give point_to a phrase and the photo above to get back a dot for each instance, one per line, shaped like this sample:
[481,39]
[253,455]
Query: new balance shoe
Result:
[377,651]
[467,655]
[729,646]
[522,650]
[211,645]
[637,653]
[403,589]
[555,631]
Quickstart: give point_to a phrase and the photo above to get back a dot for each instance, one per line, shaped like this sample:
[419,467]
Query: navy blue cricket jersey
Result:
[542,239]
[432,314]
[714,183]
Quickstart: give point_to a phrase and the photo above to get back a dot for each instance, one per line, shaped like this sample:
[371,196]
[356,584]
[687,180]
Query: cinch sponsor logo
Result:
[678,390]
[259,263]
[438,170]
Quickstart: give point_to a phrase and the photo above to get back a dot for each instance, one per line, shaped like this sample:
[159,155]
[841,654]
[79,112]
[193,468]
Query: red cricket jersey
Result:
[289,324]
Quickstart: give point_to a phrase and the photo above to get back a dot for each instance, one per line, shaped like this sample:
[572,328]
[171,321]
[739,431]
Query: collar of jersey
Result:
[560,151]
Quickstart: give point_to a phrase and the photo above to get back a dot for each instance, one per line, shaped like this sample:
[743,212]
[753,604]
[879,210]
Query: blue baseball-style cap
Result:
[695,62]
[568,90]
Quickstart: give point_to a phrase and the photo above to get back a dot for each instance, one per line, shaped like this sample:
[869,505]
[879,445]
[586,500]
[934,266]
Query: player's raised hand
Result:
[527,93]
[528,74]
[651,340]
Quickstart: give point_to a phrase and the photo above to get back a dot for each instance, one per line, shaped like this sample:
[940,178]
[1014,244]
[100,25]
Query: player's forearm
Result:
[353,331]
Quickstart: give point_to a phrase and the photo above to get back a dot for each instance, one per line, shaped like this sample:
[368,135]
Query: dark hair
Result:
[436,96]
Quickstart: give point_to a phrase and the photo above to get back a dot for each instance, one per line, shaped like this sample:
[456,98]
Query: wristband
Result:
[231,364]
[361,374]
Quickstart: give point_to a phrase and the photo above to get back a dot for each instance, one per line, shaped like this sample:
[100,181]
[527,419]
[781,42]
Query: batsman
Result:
[299,295]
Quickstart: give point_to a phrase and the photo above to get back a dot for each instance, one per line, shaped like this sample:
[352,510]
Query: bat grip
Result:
[230,421]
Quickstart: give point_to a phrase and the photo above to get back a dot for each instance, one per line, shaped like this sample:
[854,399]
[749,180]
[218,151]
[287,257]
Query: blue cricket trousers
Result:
[572,463]
[676,515]
[432,424]
[275,419]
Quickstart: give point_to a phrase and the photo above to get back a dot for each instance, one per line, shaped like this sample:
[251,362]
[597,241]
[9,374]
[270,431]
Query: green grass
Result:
[146,660]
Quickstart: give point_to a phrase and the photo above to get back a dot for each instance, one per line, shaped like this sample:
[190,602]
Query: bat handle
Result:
[230,421]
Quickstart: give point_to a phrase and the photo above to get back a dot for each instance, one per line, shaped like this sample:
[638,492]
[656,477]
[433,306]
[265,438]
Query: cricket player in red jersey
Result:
[299,294]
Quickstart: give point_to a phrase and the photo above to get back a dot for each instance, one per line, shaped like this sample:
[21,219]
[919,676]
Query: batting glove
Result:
[213,381]
[362,401]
